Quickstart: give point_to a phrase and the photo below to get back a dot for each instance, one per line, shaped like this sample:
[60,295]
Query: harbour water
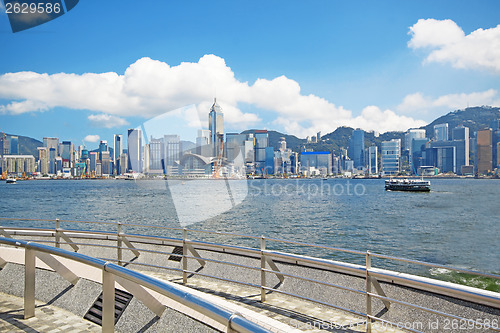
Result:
[456,224]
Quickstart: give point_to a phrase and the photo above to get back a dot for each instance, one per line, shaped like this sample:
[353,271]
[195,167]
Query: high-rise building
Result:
[67,149]
[373,160]
[460,135]
[414,133]
[316,163]
[156,148]
[216,127]
[123,163]
[14,145]
[391,154]
[172,152]
[441,132]
[203,146]
[106,163]
[52,160]
[484,151]
[117,151]
[261,143]
[51,143]
[134,150]
[93,161]
[4,144]
[495,139]
[356,151]
[443,155]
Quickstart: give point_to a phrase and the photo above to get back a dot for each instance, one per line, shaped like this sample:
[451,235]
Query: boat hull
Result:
[408,188]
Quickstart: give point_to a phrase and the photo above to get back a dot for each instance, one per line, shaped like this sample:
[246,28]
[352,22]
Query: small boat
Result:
[11,181]
[412,185]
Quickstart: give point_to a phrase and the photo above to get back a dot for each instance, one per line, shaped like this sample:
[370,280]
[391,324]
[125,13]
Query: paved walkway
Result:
[48,319]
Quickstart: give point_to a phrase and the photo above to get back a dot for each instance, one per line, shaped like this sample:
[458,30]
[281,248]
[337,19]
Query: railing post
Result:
[262,267]
[29,283]
[119,243]
[58,233]
[368,291]
[184,256]
[108,301]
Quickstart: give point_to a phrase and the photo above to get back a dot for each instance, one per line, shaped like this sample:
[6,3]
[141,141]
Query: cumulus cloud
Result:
[418,102]
[448,43]
[92,138]
[107,121]
[150,87]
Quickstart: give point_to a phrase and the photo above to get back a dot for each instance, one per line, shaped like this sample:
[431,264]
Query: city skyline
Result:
[346,64]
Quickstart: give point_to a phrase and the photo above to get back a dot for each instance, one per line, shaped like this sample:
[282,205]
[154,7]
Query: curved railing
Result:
[268,258]
[110,271]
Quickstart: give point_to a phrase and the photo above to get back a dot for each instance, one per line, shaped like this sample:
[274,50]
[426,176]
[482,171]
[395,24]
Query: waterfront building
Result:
[4,144]
[93,161]
[14,145]
[51,143]
[235,146]
[443,155]
[117,151]
[391,154]
[216,127]
[156,147]
[203,143]
[318,136]
[52,160]
[441,132]
[261,143]
[316,163]
[58,165]
[66,152]
[19,163]
[418,154]
[484,151]
[412,134]
[106,164]
[269,161]
[356,151]
[460,136]
[373,160]
[103,147]
[495,140]
[172,153]
[123,163]
[134,150]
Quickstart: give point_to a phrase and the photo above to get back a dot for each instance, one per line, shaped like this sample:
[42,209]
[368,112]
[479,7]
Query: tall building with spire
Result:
[216,127]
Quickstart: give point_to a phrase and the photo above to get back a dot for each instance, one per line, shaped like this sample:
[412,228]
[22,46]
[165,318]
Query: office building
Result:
[356,151]
[172,153]
[117,151]
[156,148]
[123,163]
[316,163]
[93,161]
[418,154]
[373,160]
[19,164]
[216,127]
[484,151]
[460,136]
[443,155]
[106,165]
[412,134]
[441,132]
[134,150]
[51,143]
[203,143]
[66,153]
[269,161]
[261,143]
[14,145]
[52,160]
[391,154]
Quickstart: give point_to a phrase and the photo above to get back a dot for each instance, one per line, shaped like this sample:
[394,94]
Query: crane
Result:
[218,161]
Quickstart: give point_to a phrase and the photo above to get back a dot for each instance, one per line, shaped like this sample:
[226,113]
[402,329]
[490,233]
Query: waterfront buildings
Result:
[172,153]
[391,154]
[316,163]
[117,152]
[19,164]
[261,143]
[134,150]
[356,151]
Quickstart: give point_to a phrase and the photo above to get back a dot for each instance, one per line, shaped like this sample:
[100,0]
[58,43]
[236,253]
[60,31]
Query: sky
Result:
[297,67]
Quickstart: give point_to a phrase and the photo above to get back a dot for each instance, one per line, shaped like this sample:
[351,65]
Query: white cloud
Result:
[150,87]
[107,121]
[16,108]
[92,138]
[447,42]
[422,104]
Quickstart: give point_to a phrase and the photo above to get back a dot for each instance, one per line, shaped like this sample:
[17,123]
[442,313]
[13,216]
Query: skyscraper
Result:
[441,132]
[134,149]
[172,152]
[216,127]
[14,145]
[117,152]
[356,151]
[391,154]
[460,137]
[51,143]
[261,143]
[484,151]
[373,160]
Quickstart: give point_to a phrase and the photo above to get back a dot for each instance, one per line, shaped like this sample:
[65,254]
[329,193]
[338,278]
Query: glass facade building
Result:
[356,151]
[391,154]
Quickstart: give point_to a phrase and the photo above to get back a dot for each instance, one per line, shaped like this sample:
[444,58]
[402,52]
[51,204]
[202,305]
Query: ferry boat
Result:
[414,185]
[10,180]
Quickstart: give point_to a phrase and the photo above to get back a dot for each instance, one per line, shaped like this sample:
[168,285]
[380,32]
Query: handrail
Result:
[368,272]
[223,316]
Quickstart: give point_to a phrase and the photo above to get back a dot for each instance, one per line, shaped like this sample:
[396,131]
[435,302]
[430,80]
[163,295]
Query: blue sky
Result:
[294,66]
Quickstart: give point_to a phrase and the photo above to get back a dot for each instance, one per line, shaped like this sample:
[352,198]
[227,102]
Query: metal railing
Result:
[110,272]
[268,258]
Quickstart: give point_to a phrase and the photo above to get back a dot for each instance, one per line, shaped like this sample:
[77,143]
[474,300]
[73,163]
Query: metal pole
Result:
[262,268]
[29,283]
[108,301]
[368,290]
[58,233]
[119,243]
[184,256]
